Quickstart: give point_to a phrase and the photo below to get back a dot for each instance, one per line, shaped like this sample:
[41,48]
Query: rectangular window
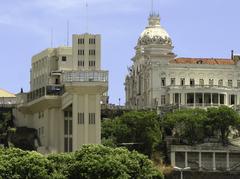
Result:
[182,81]
[163,99]
[211,82]
[91,63]
[163,81]
[91,118]
[230,83]
[91,41]
[80,118]
[66,127]
[172,81]
[70,145]
[201,82]
[192,82]
[64,58]
[81,41]
[220,82]
[70,127]
[81,63]
[92,52]
[81,52]
[238,83]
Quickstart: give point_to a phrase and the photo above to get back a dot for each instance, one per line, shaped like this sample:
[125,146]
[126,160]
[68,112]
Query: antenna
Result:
[67,33]
[86,16]
[152,7]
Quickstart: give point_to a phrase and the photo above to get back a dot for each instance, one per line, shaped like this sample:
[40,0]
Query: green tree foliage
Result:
[188,124]
[139,127]
[221,119]
[194,125]
[89,162]
[17,164]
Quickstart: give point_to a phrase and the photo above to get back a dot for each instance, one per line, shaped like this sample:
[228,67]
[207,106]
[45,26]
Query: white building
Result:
[64,99]
[157,78]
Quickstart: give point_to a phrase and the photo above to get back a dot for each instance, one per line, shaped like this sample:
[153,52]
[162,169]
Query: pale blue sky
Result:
[198,28]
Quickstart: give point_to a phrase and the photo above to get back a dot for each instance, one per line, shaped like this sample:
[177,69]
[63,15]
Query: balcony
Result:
[201,87]
[50,90]
[85,76]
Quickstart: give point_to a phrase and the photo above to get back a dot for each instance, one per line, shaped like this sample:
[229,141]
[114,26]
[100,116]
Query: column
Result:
[227,158]
[194,99]
[75,108]
[218,99]
[86,114]
[203,100]
[225,99]
[98,119]
[173,162]
[183,98]
[214,161]
[171,96]
[186,159]
[200,160]
[211,99]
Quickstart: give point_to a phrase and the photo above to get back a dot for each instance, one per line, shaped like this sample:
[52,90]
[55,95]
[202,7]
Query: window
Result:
[182,81]
[91,41]
[92,52]
[163,81]
[220,82]
[91,63]
[64,58]
[192,82]
[81,41]
[230,83]
[211,82]
[163,99]
[238,83]
[201,82]
[172,81]
[91,118]
[80,52]
[80,118]
[81,63]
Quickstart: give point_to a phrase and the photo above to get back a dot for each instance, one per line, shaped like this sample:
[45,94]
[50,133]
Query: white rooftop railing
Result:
[85,76]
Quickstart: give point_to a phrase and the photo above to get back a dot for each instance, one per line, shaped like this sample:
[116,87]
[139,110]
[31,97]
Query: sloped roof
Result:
[210,61]
[6,94]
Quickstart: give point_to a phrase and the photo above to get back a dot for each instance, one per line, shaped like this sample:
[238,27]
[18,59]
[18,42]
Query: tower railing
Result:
[85,76]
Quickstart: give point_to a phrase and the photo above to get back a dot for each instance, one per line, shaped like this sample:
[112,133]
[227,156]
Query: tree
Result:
[141,128]
[187,123]
[100,162]
[221,119]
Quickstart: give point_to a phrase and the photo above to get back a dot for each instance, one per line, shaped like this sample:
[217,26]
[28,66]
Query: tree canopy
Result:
[140,128]
[194,125]
[89,162]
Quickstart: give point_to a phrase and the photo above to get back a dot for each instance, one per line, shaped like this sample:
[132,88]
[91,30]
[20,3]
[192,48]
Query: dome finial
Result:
[153,12]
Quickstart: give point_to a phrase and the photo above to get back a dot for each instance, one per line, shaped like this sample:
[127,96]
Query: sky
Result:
[198,28]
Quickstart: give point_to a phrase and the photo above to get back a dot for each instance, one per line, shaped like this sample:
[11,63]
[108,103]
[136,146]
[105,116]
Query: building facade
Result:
[157,78]
[66,86]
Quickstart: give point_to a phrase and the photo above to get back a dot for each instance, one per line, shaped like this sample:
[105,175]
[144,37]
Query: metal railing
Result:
[201,87]
[85,76]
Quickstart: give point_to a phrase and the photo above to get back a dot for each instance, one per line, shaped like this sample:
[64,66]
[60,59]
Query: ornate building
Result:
[63,104]
[157,78]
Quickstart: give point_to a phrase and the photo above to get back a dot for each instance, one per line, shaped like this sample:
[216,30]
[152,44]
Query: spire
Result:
[154,18]
[153,11]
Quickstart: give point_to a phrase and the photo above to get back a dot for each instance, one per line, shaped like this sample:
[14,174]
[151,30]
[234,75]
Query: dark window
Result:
[81,41]
[92,52]
[80,52]
[192,82]
[163,81]
[80,118]
[182,82]
[92,63]
[65,144]
[64,58]
[81,63]
[91,118]
[91,41]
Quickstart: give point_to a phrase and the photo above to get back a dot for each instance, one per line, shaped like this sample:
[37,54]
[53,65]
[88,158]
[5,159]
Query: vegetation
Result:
[6,127]
[195,125]
[90,162]
[140,129]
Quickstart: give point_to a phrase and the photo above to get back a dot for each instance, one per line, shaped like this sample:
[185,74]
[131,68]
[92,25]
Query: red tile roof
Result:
[210,61]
